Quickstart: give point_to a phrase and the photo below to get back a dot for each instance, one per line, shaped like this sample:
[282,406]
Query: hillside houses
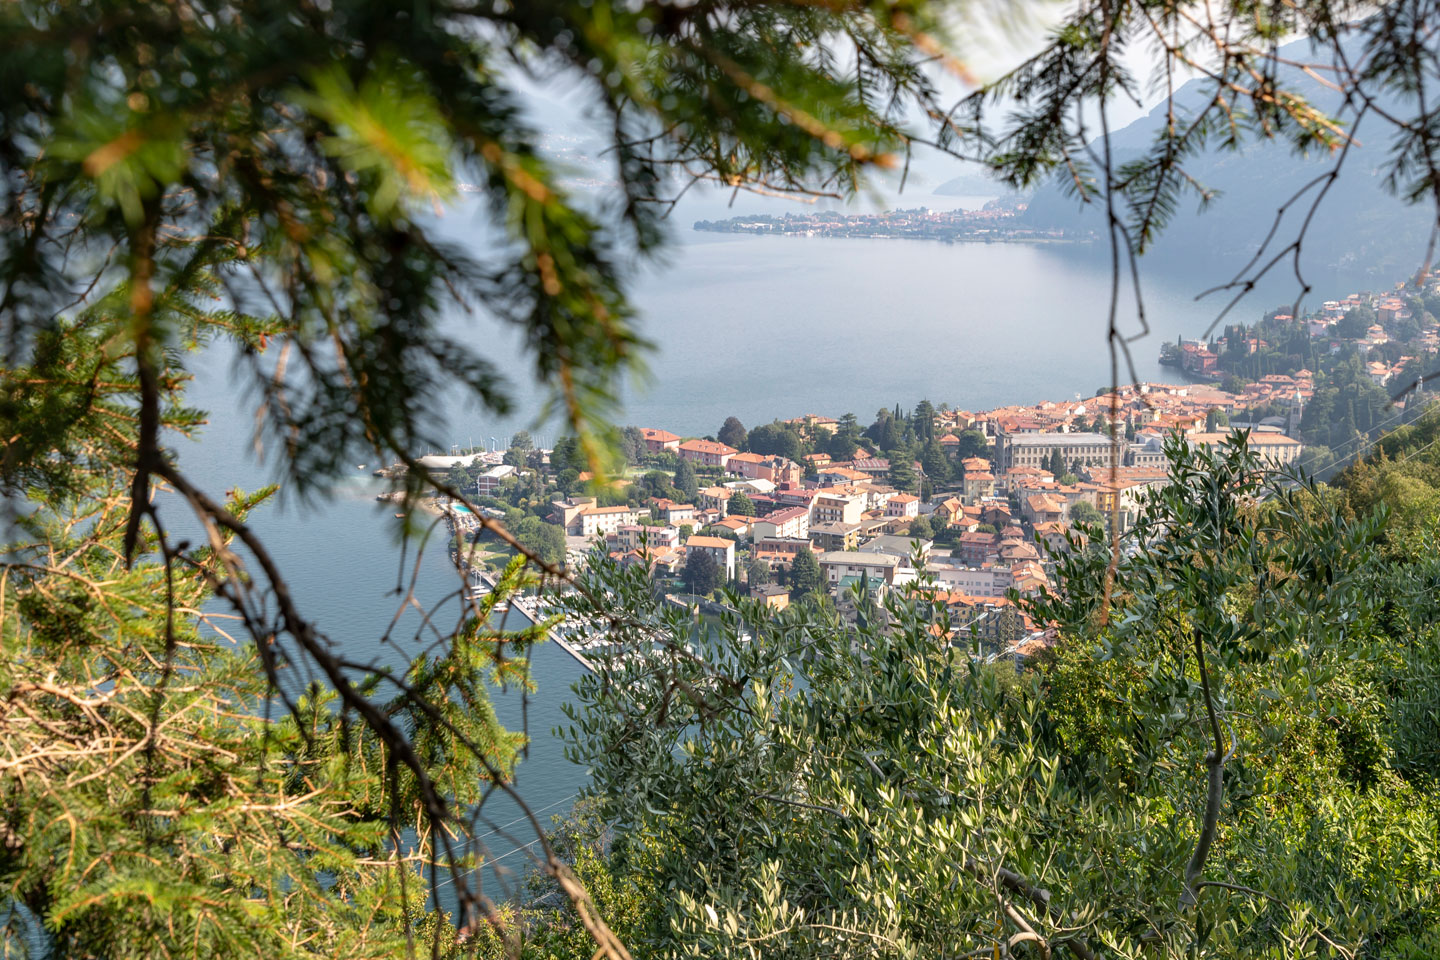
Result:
[992,522]
[707,453]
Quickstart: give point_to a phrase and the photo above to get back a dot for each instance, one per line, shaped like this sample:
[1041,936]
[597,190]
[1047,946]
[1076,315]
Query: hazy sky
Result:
[990,39]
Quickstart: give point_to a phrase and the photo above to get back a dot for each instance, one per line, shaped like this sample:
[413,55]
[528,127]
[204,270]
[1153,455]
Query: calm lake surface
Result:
[756,327]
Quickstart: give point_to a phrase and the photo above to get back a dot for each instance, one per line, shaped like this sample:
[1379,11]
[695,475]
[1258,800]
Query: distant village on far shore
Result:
[997,221]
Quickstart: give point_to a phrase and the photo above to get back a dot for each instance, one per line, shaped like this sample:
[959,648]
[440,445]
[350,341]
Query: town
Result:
[1344,370]
[974,506]
[981,508]
[996,221]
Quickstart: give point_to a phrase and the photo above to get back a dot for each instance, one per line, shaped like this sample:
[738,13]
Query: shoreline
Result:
[948,241]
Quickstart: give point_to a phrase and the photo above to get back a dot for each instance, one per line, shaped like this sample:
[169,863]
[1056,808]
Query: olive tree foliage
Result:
[1202,772]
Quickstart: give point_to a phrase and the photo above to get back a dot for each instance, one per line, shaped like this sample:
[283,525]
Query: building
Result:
[643,539]
[780,552]
[837,508]
[769,595]
[756,466]
[747,465]
[707,453]
[839,565]
[765,487]
[948,511]
[903,505]
[675,514]
[1276,448]
[1016,477]
[977,485]
[976,547]
[816,424]
[836,473]
[1043,508]
[981,581]
[901,547]
[716,498]
[599,521]
[740,526]
[835,536]
[873,466]
[722,551]
[787,522]
[489,482]
[878,496]
[1053,536]
[659,441]
[566,512]
[1035,449]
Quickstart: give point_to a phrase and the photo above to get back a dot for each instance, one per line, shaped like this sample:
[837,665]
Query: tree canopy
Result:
[805,576]
[1222,733]
[702,573]
[732,433]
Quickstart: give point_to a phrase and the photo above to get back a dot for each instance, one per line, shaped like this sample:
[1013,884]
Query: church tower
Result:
[1292,419]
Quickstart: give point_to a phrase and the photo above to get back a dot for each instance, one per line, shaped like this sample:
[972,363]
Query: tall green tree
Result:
[972,444]
[902,472]
[936,464]
[169,790]
[841,447]
[685,483]
[566,455]
[702,574]
[776,439]
[740,505]
[806,578]
[546,540]
[657,484]
[758,573]
[924,420]
[732,432]
[632,445]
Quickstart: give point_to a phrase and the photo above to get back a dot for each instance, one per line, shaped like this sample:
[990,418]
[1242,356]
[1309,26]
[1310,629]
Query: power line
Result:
[527,817]
[449,880]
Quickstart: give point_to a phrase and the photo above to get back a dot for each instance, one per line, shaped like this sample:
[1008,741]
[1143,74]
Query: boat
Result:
[399,516]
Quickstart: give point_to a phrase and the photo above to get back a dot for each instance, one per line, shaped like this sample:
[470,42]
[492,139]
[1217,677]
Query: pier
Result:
[562,634]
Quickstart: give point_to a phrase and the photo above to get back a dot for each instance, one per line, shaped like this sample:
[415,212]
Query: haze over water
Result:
[766,327]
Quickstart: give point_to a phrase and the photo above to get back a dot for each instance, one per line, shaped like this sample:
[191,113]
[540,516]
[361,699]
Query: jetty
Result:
[572,636]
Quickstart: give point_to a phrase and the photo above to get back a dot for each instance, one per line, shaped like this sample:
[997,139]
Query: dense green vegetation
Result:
[1233,758]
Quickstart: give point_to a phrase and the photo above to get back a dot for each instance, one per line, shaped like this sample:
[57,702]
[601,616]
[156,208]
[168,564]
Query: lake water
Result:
[747,326]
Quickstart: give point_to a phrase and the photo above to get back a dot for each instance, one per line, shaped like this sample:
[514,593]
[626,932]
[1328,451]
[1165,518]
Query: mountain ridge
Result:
[1362,234]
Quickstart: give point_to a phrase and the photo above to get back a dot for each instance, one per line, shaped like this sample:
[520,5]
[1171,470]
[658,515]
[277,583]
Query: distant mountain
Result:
[972,185]
[1362,235]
